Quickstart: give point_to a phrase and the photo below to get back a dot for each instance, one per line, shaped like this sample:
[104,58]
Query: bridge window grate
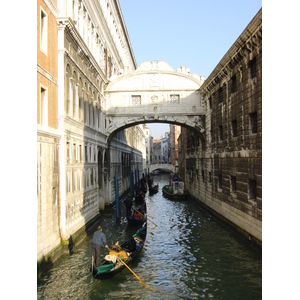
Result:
[174,99]
[136,100]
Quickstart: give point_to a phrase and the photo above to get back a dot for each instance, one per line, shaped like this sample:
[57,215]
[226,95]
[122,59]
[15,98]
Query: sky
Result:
[191,33]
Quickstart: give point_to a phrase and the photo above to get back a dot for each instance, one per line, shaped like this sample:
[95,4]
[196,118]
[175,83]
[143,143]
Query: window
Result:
[221,93]
[234,128]
[252,189]
[80,153]
[220,181]
[174,99]
[74,153]
[136,100]
[233,84]
[252,68]
[43,32]
[91,177]
[44,107]
[220,133]
[86,154]
[209,101]
[209,176]
[68,151]
[203,175]
[253,122]
[233,184]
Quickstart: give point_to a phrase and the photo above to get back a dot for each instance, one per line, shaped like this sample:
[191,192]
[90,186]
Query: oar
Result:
[144,216]
[142,282]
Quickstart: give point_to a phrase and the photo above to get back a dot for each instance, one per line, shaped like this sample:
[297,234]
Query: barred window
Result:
[233,184]
[220,94]
[252,189]
[253,122]
[220,180]
[136,100]
[234,128]
[252,67]
[220,133]
[233,84]
[174,99]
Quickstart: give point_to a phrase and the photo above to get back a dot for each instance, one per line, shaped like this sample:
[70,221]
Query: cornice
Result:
[82,50]
[47,75]
[52,6]
[249,41]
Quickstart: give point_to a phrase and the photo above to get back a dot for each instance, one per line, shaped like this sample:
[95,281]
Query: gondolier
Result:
[99,239]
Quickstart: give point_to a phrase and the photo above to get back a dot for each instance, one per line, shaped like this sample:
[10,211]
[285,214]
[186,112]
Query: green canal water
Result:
[188,255]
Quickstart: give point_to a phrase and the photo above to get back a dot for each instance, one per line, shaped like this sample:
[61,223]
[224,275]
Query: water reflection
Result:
[188,255]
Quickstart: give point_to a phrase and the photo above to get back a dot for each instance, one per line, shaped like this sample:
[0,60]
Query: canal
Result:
[188,254]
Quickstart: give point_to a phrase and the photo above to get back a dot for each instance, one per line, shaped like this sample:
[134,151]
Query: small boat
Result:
[153,189]
[112,264]
[138,214]
[174,191]
[155,172]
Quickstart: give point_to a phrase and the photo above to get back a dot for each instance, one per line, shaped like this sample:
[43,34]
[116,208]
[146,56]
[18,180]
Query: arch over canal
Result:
[164,167]
[155,93]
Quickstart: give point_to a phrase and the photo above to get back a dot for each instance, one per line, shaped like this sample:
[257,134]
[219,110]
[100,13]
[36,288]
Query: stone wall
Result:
[225,171]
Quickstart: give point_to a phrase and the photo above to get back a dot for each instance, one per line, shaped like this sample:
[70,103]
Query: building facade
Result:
[156,159]
[224,171]
[48,135]
[173,143]
[164,150]
[81,46]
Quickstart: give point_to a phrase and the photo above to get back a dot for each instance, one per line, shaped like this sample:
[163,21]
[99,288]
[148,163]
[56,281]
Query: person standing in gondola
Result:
[128,203]
[144,184]
[98,241]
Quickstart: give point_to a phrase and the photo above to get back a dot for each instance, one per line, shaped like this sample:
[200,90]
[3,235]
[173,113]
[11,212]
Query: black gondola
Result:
[153,189]
[138,215]
[111,266]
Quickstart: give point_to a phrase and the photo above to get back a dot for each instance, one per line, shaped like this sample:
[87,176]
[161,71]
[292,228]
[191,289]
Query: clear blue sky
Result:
[191,33]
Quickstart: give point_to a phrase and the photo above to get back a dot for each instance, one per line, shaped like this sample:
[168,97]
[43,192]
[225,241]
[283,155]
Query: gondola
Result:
[153,189]
[110,265]
[138,215]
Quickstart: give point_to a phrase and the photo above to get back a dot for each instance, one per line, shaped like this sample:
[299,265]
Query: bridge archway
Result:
[163,167]
[155,93]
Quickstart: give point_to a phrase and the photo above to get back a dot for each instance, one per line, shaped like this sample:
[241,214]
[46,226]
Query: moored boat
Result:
[112,264]
[174,191]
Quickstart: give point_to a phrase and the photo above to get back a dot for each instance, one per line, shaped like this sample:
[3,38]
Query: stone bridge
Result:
[165,167]
[155,93]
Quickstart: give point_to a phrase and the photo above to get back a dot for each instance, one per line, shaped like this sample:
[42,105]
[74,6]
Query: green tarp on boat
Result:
[104,268]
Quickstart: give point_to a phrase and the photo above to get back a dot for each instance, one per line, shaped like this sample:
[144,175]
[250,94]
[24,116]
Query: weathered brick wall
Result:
[227,175]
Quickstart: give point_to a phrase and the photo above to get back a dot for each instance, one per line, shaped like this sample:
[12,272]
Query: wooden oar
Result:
[144,216]
[142,282]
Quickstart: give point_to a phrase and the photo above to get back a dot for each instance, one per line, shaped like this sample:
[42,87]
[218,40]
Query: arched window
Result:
[67,89]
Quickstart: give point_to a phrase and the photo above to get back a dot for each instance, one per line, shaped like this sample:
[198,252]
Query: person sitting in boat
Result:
[137,215]
[116,246]
[131,245]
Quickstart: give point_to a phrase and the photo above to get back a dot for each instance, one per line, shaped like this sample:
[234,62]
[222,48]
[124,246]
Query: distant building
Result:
[148,142]
[173,144]
[156,159]
[165,150]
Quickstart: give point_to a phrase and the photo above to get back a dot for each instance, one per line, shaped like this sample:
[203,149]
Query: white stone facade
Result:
[92,46]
